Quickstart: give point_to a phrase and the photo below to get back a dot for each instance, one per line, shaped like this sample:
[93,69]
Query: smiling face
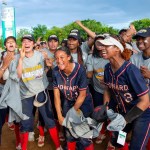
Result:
[143,43]
[62,59]
[10,45]
[73,43]
[27,45]
[109,51]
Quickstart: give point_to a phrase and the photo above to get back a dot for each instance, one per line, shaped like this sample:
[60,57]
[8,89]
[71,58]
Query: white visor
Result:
[111,41]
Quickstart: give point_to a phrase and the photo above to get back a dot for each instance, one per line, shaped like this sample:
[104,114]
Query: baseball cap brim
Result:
[73,36]
[140,35]
[53,38]
[29,38]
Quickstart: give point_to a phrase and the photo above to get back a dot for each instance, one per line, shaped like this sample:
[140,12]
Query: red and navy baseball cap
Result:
[99,113]
[53,37]
[142,33]
[29,37]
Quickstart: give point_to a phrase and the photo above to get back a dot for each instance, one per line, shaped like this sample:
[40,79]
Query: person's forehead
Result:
[52,40]
[60,52]
[143,38]
[27,40]
[72,38]
[10,39]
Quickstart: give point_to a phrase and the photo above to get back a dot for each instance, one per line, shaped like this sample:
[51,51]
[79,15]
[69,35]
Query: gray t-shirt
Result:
[49,73]
[33,79]
[85,48]
[97,65]
[138,61]
[84,57]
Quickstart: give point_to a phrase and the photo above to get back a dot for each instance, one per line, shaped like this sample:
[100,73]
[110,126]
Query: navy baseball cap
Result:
[74,35]
[75,31]
[99,113]
[29,37]
[53,37]
[143,33]
[9,37]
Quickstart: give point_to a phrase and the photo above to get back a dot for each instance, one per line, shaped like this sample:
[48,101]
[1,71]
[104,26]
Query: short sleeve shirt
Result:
[125,85]
[70,85]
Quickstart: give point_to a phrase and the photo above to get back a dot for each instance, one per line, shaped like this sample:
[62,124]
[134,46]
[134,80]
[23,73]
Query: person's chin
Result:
[61,67]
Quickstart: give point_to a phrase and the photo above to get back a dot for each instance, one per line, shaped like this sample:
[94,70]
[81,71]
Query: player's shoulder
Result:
[136,56]
[79,68]
[130,67]
[107,66]
[55,69]
[55,72]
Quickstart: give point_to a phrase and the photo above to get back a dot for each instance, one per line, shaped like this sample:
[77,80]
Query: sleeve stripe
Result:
[82,89]
[143,93]
[55,87]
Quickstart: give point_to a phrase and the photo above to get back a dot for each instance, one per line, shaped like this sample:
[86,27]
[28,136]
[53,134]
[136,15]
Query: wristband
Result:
[134,113]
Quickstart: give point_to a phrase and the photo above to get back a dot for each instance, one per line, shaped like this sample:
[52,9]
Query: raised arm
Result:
[88,31]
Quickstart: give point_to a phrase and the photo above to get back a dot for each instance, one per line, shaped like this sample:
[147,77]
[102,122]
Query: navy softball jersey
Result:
[125,85]
[70,85]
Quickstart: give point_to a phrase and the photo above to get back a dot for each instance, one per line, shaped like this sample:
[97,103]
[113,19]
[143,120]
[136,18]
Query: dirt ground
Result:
[8,141]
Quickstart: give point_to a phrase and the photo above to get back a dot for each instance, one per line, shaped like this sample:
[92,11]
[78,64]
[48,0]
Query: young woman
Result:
[69,80]
[10,45]
[142,60]
[6,62]
[73,42]
[126,85]
[95,70]
[33,84]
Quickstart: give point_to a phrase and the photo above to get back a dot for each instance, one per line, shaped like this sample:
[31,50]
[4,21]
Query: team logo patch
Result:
[142,31]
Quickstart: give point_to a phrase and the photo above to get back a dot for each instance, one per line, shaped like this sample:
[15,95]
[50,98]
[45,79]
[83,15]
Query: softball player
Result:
[127,86]
[69,80]
[10,45]
[95,70]
[142,60]
[33,83]
[74,46]
[53,43]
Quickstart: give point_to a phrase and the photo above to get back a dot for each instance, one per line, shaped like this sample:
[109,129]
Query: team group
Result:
[81,89]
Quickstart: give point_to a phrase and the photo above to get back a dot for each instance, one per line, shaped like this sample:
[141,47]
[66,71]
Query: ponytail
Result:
[80,54]
[126,54]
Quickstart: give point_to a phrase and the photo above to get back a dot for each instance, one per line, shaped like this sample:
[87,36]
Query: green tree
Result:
[143,23]
[39,31]
[55,31]
[91,24]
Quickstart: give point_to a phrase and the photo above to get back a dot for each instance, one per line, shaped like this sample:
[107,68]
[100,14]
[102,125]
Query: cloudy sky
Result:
[116,13]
